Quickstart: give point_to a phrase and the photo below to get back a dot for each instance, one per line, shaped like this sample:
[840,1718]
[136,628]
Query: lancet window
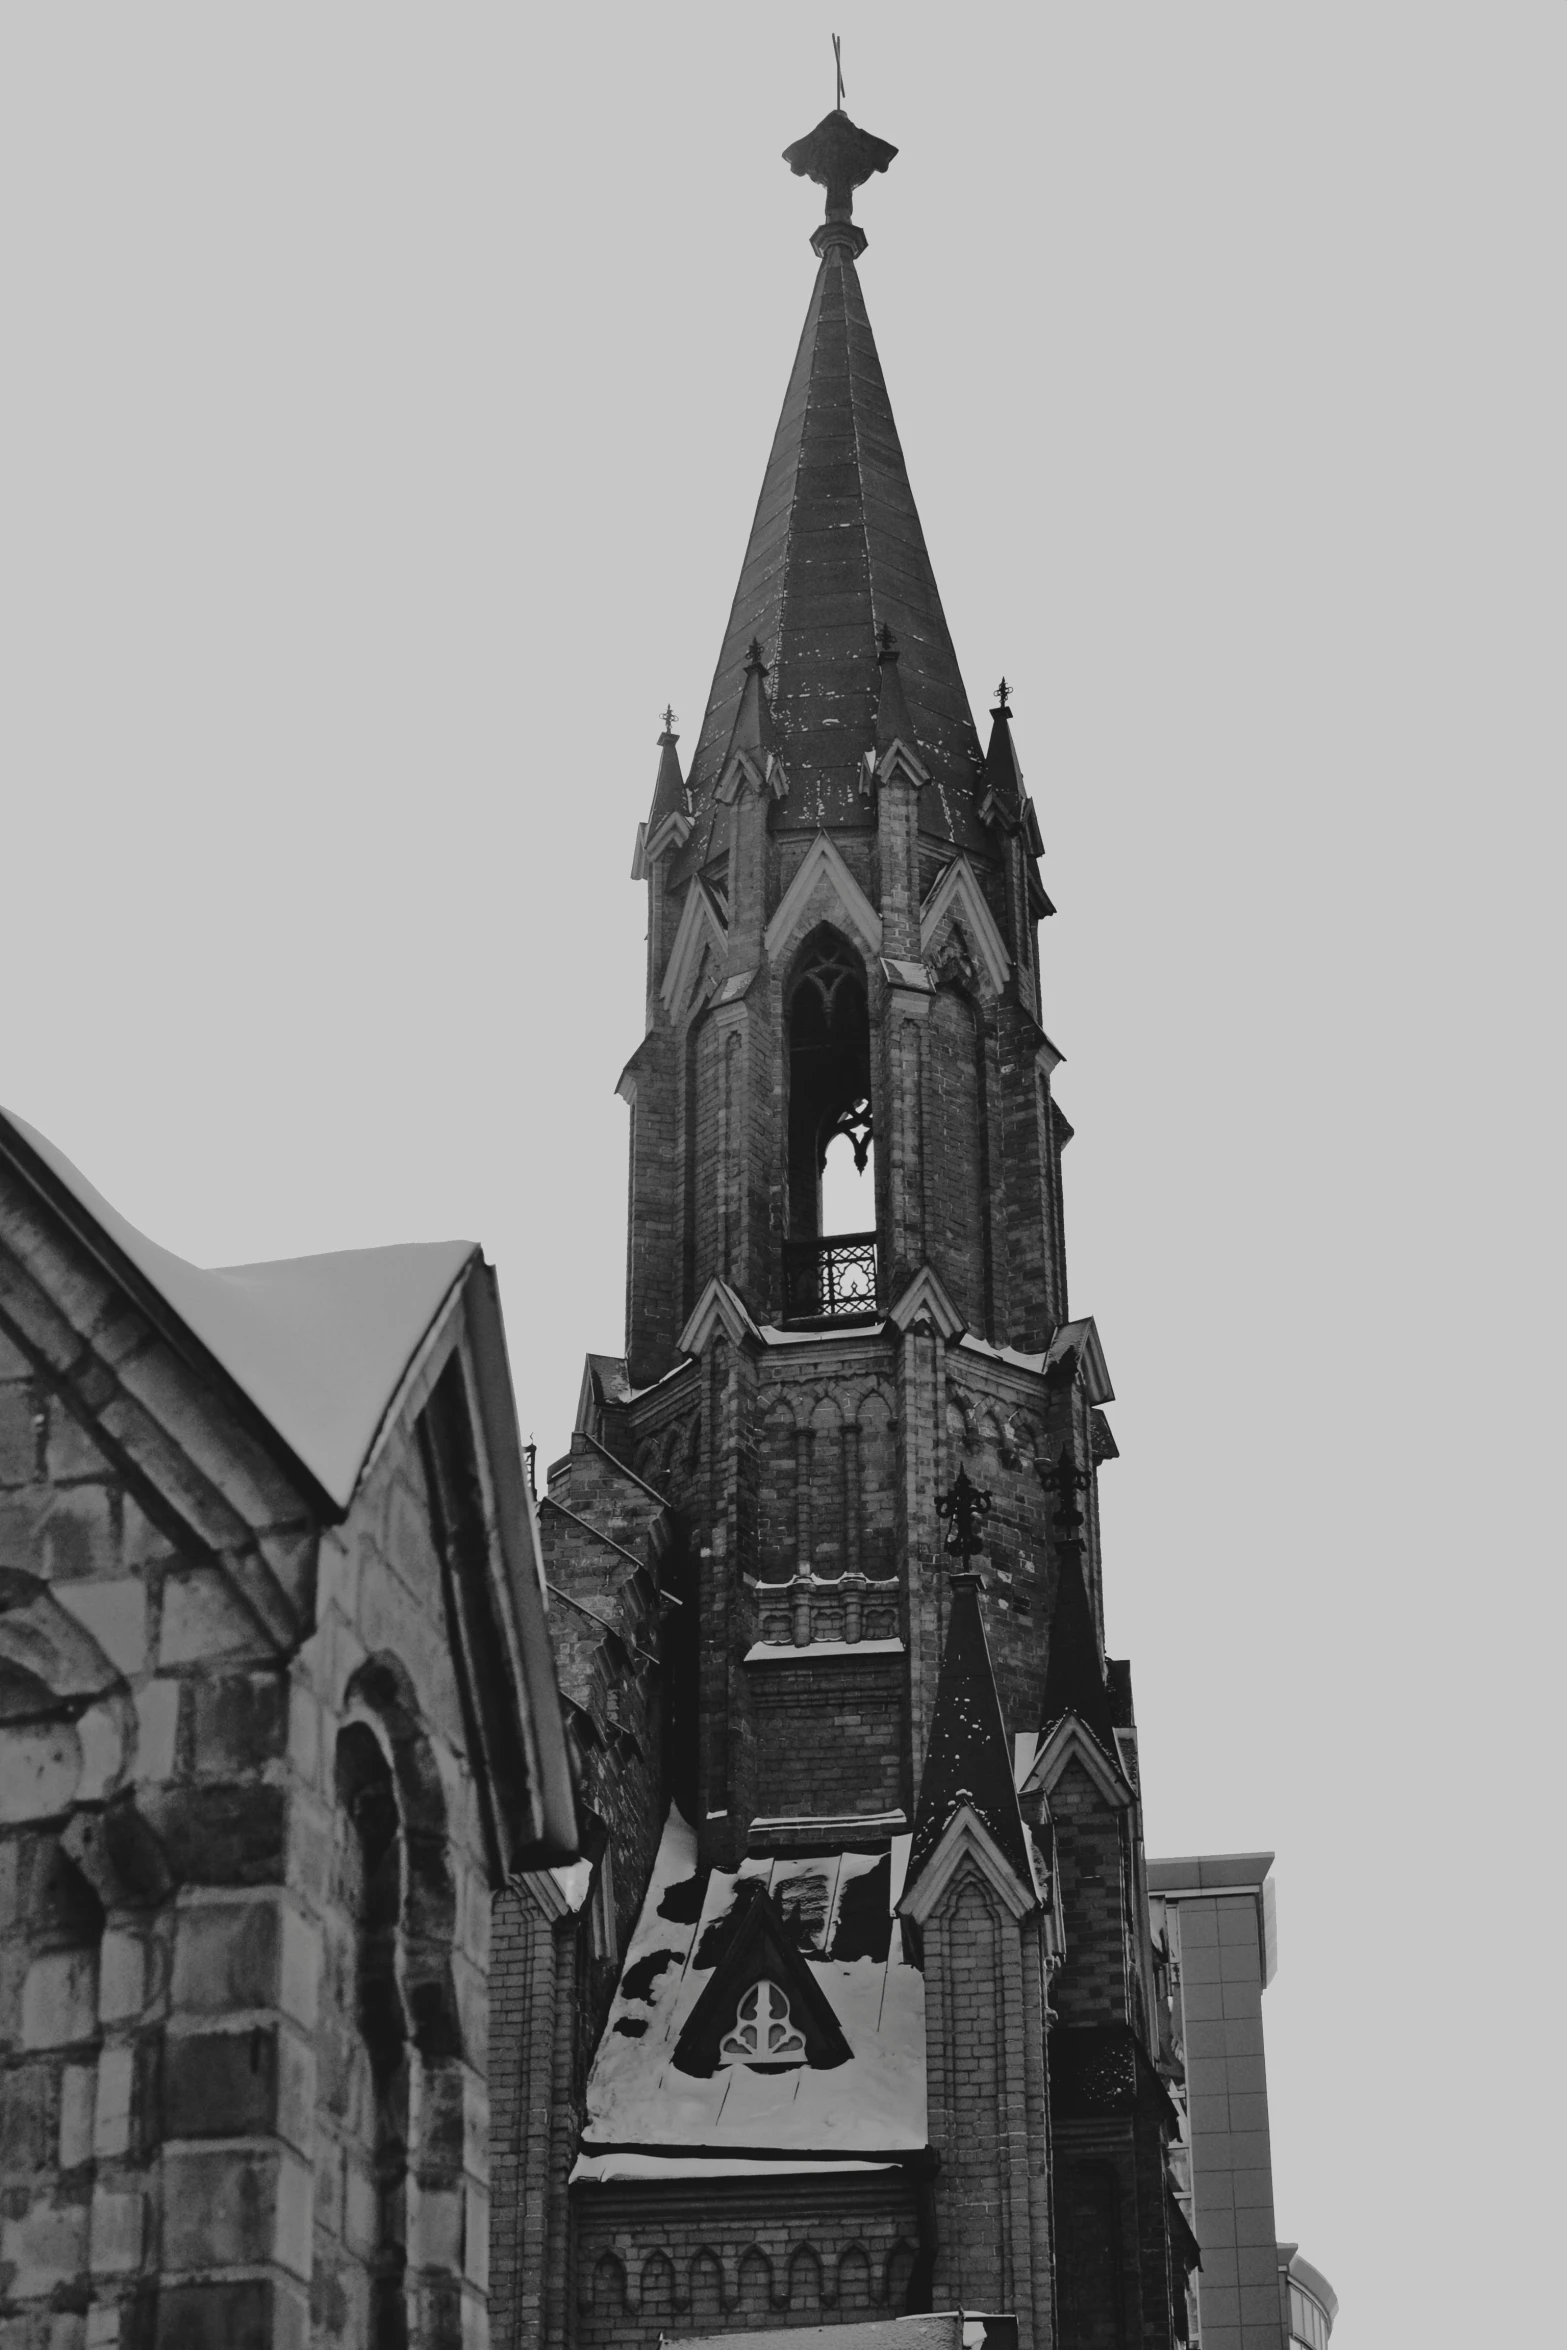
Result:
[829,1091]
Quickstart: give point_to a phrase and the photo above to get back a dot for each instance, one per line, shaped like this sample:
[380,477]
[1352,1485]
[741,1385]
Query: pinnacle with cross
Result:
[669,719]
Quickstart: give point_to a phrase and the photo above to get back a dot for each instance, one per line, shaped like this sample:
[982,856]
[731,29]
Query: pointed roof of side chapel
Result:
[969,1758]
[836,554]
[1074,1672]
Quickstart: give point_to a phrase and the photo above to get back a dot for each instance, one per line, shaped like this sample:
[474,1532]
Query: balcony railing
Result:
[831,1280]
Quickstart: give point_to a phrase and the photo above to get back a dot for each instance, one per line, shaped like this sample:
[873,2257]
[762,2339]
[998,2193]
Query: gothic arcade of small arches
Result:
[799,2283]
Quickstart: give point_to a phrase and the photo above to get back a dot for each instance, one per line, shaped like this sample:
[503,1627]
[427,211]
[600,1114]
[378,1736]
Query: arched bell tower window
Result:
[830,1123]
[830,1254]
[764,2033]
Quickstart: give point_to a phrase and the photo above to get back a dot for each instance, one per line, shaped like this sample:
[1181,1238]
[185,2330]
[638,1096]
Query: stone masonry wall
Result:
[243,1997]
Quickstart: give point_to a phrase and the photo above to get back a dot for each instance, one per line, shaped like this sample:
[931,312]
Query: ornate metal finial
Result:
[839,157]
[886,644]
[753,657]
[966,1507]
[837,58]
[1003,693]
[669,719]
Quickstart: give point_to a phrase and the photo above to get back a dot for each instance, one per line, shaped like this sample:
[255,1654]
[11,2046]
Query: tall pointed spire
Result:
[669,790]
[969,1759]
[1074,1674]
[836,553]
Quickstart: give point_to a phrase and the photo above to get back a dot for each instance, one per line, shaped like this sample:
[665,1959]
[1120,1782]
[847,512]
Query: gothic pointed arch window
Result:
[764,2032]
[830,1114]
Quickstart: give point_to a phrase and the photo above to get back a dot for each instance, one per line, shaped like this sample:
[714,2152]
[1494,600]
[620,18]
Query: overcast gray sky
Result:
[385,400]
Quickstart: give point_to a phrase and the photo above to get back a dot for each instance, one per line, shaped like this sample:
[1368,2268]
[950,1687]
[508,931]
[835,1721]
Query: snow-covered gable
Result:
[320,1345]
[874,2104]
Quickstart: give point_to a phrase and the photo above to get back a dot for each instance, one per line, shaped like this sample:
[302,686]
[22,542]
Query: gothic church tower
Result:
[856,2010]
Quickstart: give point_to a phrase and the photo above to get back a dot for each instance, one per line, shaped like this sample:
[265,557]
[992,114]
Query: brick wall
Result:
[829,1736]
[1092,1986]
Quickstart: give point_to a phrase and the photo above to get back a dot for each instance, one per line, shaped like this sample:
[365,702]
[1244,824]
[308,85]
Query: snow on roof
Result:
[874,2104]
[320,1345]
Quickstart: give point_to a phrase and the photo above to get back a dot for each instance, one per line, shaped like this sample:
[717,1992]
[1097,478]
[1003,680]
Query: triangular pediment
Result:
[700,925]
[720,1307]
[958,898]
[823,890]
[966,1847]
[1082,1337]
[764,772]
[926,1300]
[1070,1741]
[762,1951]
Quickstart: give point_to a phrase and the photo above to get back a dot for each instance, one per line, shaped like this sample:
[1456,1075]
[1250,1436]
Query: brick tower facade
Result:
[854,2008]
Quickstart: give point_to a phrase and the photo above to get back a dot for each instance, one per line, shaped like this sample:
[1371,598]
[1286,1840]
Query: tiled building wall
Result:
[1227,2091]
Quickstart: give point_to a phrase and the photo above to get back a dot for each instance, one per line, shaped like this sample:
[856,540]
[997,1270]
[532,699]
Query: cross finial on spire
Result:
[1003,693]
[839,157]
[669,719]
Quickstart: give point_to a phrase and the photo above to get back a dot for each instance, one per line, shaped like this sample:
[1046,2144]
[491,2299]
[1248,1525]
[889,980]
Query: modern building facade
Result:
[856,2007]
[1215,1930]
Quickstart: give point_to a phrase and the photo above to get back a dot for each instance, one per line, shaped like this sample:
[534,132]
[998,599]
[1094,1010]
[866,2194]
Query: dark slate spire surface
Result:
[669,791]
[836,553]
[1074,1675]
[969,1758]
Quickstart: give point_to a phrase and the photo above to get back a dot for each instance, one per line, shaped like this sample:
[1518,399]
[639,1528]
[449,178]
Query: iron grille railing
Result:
[830,1280]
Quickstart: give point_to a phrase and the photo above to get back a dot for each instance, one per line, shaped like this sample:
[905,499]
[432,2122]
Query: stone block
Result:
[220,2084]
[114,2111]
[122,1976]
[43,2243]
[70,1451]
[78,2098]
[21,1432]
[226,1956]
[205,2317]
[25,2132]
[43,1770]
[329,2187]
[203,1619]
[299,1974]
[361,2210]
[240,1723]
[157,1729]
[220,1835]
[104,1732]
[118,2228]
[76,1539]
[229,2207]
[60,1999]
[298,2076]
[304,1732]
